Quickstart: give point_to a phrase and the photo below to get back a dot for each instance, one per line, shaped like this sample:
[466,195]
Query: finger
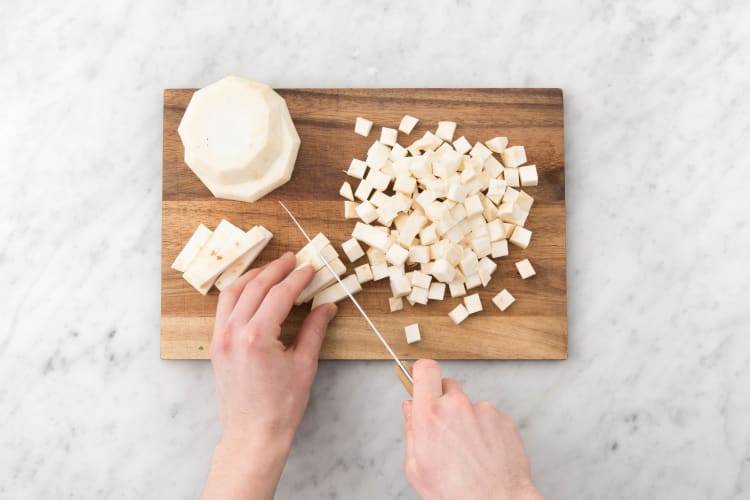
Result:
[229,296]
[409,435]
[279,301]
[451,386]
[313,331]
[428,382]
[255,290]
[406,409]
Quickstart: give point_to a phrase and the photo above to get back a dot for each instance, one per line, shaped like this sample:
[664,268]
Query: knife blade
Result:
[400,365]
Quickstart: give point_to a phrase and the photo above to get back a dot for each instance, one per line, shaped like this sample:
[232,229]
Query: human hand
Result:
[262,387]
[457,449]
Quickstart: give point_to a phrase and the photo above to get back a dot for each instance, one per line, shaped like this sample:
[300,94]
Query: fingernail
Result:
[331,312]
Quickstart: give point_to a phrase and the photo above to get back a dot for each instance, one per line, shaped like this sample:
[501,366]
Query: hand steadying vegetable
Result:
[457,449]
[262,387]
[454,449]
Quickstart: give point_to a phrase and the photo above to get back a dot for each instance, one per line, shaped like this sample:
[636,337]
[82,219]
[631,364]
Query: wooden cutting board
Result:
[535,327]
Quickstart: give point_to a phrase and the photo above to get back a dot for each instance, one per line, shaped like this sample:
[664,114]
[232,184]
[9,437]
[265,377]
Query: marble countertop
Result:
[654,400]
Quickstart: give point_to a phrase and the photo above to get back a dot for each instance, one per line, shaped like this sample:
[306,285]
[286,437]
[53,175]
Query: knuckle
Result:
[485,406]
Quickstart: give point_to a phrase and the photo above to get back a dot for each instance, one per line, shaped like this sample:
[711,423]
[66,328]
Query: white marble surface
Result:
[654,401]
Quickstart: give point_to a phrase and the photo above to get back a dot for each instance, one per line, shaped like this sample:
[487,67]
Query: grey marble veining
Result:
[654,401]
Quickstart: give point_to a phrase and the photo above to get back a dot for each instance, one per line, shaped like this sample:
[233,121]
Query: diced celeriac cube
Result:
[337,292]
[411,228]
[525,269]
[513,156]
[495,230]
[375,256]
[191,249]
[443,271]
[315,256]
[458,314]
[461,145]
[457,289]
[379,271]
[525,201]
[436,291]
[473,205]
[346,191]
[321,280]
[378,180]
[397,255]
[511,177]
[371,236]
[503,300]
[400,286]
[428,235]
[472,280]
[521,237]
[405,184]
[398,152]
[445,130]
[377,155]
[407,124]
[511,195]
[419,254]
[418,295]
[350,210]
[457,193]
[352,249]
[497,144]
[509,212]
[528,175]
[364,190]
[481,246]
[497,187]
[363,273]
[367,212]
[473,303]
[362,126]
[499,248]
[484,277]
[469,263]
[357,168]
[420,279]
[509,228]
[480,151]
[412,333]
[379,199]
[388,136]
[395,304]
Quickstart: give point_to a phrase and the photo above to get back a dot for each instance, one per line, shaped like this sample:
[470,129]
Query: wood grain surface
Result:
[535,327]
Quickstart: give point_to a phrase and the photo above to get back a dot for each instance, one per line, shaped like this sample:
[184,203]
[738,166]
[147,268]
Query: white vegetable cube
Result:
[497,187]
[357,168]
[397,255]
[512,177]
[525,269]
[419,254]
[457,289]
[480,151]
[468,174]
[375,256]
[371,236]
[458,314]
[487,264]
[420,279]
[509,228]
[436,291]
[352,250]
[493,168]
[521,237]
[461,145]
[473,303]
[445,130]
[472,280]
[428,235]
[503,300]
[499,248]
[481,246]
[407,124]
[525,201]
[456,192]
[363,273]
[405,184]
[346,191]
[528,175]
[473,206]
[509,212]
[199,238]
[497,144]
[395,304]
[511,195]
[364,190]
[400,286]
[379,271]
[337,292]
[513,156]
[362,126]
[412,333]
[350,210]
[484,277]
[418,295]
[469,264]
[496,230]
[378,180]
[367,212]
[388,136]
[443,271]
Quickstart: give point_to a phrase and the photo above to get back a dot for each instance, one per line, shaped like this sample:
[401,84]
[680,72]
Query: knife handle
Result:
[405,381]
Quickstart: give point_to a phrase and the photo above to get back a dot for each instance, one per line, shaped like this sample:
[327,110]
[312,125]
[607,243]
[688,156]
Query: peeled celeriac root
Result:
[445,208]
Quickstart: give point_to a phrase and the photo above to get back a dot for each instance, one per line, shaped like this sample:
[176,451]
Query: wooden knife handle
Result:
[405,381]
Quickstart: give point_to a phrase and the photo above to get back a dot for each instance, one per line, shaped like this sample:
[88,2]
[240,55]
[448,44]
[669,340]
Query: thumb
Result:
[313,330]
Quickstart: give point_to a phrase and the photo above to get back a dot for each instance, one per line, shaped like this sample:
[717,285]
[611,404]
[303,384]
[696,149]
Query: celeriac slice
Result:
[191,249]
[321,280]
[337,292]
[239,266]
